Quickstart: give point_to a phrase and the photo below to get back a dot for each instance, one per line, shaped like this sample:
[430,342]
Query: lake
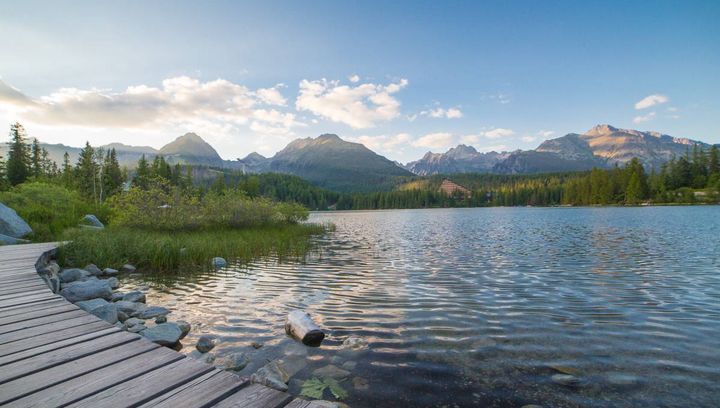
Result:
[486,307]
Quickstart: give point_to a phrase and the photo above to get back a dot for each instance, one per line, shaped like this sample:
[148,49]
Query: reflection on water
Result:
[484,306]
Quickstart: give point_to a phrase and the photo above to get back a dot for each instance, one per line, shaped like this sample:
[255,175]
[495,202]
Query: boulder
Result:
[122,316]
[110,272]
[116,296]
[219,262]
[208,358]
[90,289]
[130,308]
[11,225]
[108,312]
[73,275]
[138,328]
[272,375]
[234,362]
[133,321]
[166,334]
[127,268]
[161,319]
[355,343]
[300,326]
[113,282]
[93,269]
[134,296]
[151,312]
[185,327]
[92,304]
[205,344]
[92,221]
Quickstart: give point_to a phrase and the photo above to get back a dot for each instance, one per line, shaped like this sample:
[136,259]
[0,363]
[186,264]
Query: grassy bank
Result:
[174,251]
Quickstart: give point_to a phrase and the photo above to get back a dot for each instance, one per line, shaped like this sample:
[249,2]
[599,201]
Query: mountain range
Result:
[331,162]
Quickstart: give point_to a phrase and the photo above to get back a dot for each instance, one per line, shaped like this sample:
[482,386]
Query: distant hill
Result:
[191,149]
[330,162]
[601,146]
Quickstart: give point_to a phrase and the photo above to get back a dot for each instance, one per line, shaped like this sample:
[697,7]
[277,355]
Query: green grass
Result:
[165,251]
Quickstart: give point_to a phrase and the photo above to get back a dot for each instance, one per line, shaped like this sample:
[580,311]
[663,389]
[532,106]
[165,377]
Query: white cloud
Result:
[435,140]
[470,139]
[545,133]
[354,78]
[384,142]
[651,100]
[498,133]
[178,102]
[644,118]
[359,107]
[450,113]
[528,139]
[495,148]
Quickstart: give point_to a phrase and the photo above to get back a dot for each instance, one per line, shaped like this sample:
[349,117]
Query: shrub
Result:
[49,208]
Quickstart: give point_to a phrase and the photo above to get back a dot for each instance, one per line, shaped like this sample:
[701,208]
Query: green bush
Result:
[167,208]
[49,208]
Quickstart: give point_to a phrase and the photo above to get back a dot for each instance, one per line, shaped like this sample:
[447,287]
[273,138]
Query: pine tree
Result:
[67,171]
[35,165]
[142,176]
[18,162]
[86,173]
[113,174]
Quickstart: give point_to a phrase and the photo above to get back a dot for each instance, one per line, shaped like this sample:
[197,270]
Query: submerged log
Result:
[300,326]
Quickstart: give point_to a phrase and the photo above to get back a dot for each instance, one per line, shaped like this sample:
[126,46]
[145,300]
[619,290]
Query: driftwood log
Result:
[300,326]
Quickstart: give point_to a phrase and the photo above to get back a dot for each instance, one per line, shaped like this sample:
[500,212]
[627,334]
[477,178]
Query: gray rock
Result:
[8,240]
[53,283]
[108,312]
[208,358]
[122,316]
[11,225]
[160,320]
[331,371]
[93,269]
[234,362]
[150,312]
[360,383]
[92,304]
[92,221]
[256,345]
[219,262]
[138,328]
[355,343]
[205,344]
[272,375]
[130,308]
[566,380]
[50,269]
[86,290]
[133,321]
[184,326]
[116,296]
[166,334]
[110,272]
[134,296]
[113,282]
[73,275]
[127,268]
[349,365]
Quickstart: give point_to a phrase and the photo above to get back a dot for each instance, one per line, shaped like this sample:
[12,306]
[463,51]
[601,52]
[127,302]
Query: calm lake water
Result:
[482,307]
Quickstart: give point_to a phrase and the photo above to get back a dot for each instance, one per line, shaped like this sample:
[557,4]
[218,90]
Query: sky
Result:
[401,77]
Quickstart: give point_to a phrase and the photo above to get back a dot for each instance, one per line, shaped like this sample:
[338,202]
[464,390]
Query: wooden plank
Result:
[40,321]
[18,350]
[148,386]
[22,284]
[34,313]
[23,386]
[202,392]
[20,309]
[28,299]
[99,380]
[24,288]
[24,293]
[51,327]
[256,396]
[298,403]
[63,355]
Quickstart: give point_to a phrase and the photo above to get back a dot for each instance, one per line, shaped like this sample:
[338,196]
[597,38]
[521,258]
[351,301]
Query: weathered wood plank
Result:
[25,293]
[18,350]
[148,386]
[40,285]
[42,379]
[298,403]
[63,355]
[20,309]
[28,299]
[35,313]
[50,327]
[201,392]
[255,396]
[40,321]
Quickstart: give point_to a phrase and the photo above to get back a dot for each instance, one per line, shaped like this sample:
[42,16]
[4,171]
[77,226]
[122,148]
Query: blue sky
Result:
[401,77]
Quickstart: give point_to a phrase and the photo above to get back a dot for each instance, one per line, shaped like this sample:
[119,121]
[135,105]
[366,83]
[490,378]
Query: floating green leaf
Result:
[315,387]
[336,389]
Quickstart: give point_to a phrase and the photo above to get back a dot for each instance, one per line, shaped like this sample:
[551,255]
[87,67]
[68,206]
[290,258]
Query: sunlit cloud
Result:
[644,118]
[651,100]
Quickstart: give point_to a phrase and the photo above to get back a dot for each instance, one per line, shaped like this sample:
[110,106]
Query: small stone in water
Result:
[235,361]
[566,380]
[114,283]
[134,296]
[205,344]
[127,268]
[355,343]
[161,319]
[185,327]
[360,383]
[349,365]
[219,262]
[110,271]
[331,371]
[256,345]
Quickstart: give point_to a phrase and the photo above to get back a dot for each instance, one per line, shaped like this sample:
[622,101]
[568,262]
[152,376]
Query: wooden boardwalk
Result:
[53,354]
